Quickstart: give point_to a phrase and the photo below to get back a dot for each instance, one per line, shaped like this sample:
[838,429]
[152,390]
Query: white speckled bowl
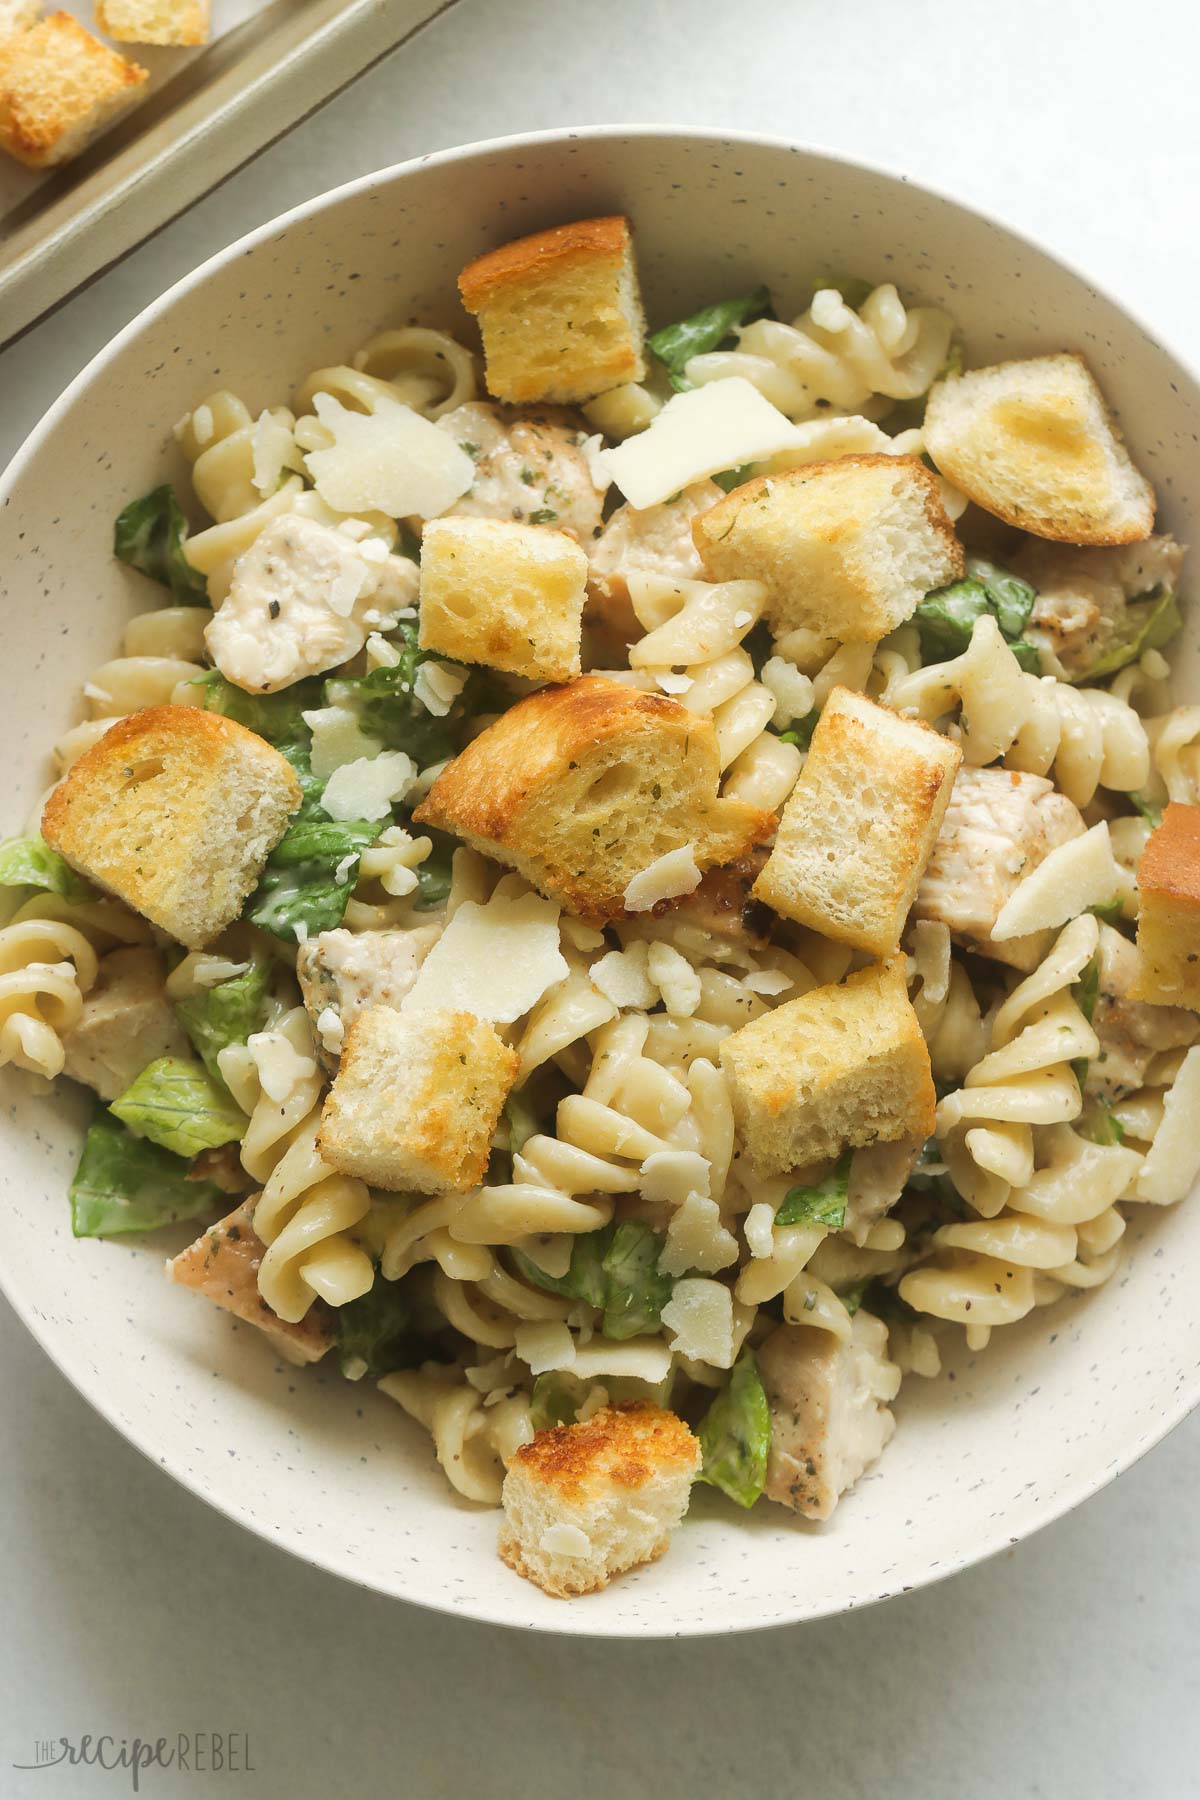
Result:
[1001,1444]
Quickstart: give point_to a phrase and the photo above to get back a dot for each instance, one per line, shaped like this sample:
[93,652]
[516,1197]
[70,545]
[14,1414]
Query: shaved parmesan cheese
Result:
[759,1229]
[767,981]
[1173,1160]
[564,1540]
[437,687]
[696,1239]
[671,1175]
[380,654]
[643,1359]
[795,695]
[701,1314]
[1076,875]
[671,683]
[666,878]
[367,787]
[590,450]
[280,1067]
[391,461]
[720,426]
[675,979]
[332,1031]
[337,739]
[544,1344]
[621,977]
[495,961]
[271,446]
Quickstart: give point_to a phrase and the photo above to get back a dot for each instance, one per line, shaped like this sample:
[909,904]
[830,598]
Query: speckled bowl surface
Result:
[999,1445]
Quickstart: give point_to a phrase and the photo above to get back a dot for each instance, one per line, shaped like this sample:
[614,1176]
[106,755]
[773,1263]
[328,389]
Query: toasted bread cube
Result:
[1168,934]
[416,1100]
[507,595]
[583,787]
[175,811]
[127,1023]
[560,312]
[16,16]
[154,21]
[999,825]
[839,1066]
[829,1414]
[223,1266]
[848,549]
[59,86]
[583,1503]
[1034,443]
[860,823]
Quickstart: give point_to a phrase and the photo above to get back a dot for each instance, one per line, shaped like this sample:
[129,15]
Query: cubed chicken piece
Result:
[341,972]
[127,1022]
[1082,613]
[529,466]
[656,540]
[830,1417]
[878,1176]
[223,1266]
[302,600]
[998,826]
[1131,1032]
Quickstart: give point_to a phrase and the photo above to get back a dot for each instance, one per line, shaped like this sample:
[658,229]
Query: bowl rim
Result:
[574,1622]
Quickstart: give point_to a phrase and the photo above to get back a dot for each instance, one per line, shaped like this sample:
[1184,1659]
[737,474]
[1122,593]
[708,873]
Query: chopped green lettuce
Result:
[615,1270]
[389,710]
[555,1400]
[310,875]
[1102,1125]
[126,1183]
[149,535]
[226,1014]
[735,1434]
[1148,625]
[277,717]
[521,1119]
[180,1106]
[585,1279]
[708,329]
[380,1331]
[1152,814]
[434,874]
[800,731]
[30,862]
[822,1204]
[947,617]
[728,479]
[1111,911]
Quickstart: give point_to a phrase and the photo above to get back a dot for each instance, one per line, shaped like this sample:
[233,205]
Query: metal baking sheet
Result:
[206,111]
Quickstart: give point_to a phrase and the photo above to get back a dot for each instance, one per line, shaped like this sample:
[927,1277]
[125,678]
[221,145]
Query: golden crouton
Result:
[839,1066]
[59,86]
[583,1503]
[175,811]
[507,595]
[1034,443]
[154,21]
[223,1265]
[416,1100]
[1168,934]
[860,823]
[583,787]
[848,548]
[560,313]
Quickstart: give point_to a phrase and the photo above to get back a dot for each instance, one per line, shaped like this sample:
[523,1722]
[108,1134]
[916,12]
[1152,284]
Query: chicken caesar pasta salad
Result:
[634,883]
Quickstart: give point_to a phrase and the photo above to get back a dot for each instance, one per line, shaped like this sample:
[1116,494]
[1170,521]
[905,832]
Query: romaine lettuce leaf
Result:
[30,862]
[634,1290]
[380,1332]
[675,345]
[126,1183]
[1148,625]
[822,1204]
[435,873]
[227,1013]
[180,1106]
[389,710]
[149,535]
[277,717]
[299,892]
[555,1400]
[735,1434]
[585,1279]
[946,617]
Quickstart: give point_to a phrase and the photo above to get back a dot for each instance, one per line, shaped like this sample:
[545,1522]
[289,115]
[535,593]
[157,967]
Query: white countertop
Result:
[1063,1670]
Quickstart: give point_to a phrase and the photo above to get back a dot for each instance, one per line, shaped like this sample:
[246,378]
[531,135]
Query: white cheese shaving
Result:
[271,445]
[668,877]
[696,1239]
[767,981]
[367,787]
[544,1344]
[591,451]
[671,683]
[758,1228]
[331,1030]
[280,1067]
[671,1175]
[564,1540]
[380,654]
[495,960]
[701,1315]
[342,873]
[720,426]
[1076,875]
[1173,1160]
[437,687]
[373,550]
[337,739]
[391,461]
[675,979]
[622,978]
